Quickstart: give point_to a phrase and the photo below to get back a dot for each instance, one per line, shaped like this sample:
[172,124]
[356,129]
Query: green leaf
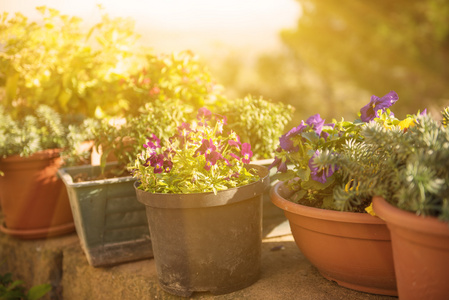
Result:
[290,174]
[315,185]
[38,291]
[328,202]
[303,174]
[300,194]
[15,284]
[312,137]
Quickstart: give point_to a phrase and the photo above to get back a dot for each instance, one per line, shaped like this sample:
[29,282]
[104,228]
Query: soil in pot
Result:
[108,173]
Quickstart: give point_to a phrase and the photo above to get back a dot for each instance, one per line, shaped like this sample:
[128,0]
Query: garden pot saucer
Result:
[39,233]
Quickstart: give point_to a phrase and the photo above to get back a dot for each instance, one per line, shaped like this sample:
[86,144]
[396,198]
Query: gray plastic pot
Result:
[206,242]
[110,222]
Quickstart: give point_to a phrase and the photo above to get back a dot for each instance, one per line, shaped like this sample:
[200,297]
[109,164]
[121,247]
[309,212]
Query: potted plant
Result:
[204,207]
[411,183]
[346,244]
[109,220]
[60,62]
[177,75]
[259,122]
[34,201]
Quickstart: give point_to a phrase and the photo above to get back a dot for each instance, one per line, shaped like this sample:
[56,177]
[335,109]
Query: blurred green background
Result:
[324,56]
[341,52]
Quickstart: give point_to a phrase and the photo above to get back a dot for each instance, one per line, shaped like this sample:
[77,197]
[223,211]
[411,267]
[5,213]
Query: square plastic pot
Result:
[110,222]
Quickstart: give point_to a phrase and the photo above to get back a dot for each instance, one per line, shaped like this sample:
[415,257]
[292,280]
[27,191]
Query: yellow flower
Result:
[406,123]
[370,210]
[350,186]
[388,126]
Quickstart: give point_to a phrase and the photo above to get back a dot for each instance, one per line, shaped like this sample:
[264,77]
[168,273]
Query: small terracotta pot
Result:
[34,200]
[353,249]
[97,152]
[420,251]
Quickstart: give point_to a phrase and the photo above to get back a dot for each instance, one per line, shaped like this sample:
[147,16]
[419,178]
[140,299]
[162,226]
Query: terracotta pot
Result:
[420,251]
[207,242]
[353,249]
[97,152]
[34,200]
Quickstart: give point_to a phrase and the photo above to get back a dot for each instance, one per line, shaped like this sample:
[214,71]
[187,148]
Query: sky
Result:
[203,26]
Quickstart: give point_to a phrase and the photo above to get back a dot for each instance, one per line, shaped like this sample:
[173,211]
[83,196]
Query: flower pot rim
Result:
[262,161]
[195,200]
[39,233]
[401,218]
[68,180]
[277,197]
[39,155]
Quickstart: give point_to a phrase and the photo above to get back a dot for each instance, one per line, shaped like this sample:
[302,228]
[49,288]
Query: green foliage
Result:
[201,157]
[408,168]
[258,122]
[309,174]
[317,160]
[124,137]
[15,290]
[339,51]
[174,76]
[284,77]
[54,62]
[32,132]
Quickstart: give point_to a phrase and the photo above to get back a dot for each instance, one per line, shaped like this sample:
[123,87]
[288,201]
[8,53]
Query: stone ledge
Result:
[36,261]
[286,274]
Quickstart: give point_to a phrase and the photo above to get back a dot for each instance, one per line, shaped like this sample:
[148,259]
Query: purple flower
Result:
[158,163]
[246,153]
[153,142]
[168,165]
[184,129]
[222,119]
[285,140]
[316,123]
[235,143]
[319,174]
[281,166]
[169,152]
[369,111]
[424,112]
[203,115]
[182,135]
[207,146]
[211,159]
[234,175]
[154,158]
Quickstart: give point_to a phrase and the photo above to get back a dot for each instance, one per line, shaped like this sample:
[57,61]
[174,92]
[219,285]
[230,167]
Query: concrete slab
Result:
[286,274]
